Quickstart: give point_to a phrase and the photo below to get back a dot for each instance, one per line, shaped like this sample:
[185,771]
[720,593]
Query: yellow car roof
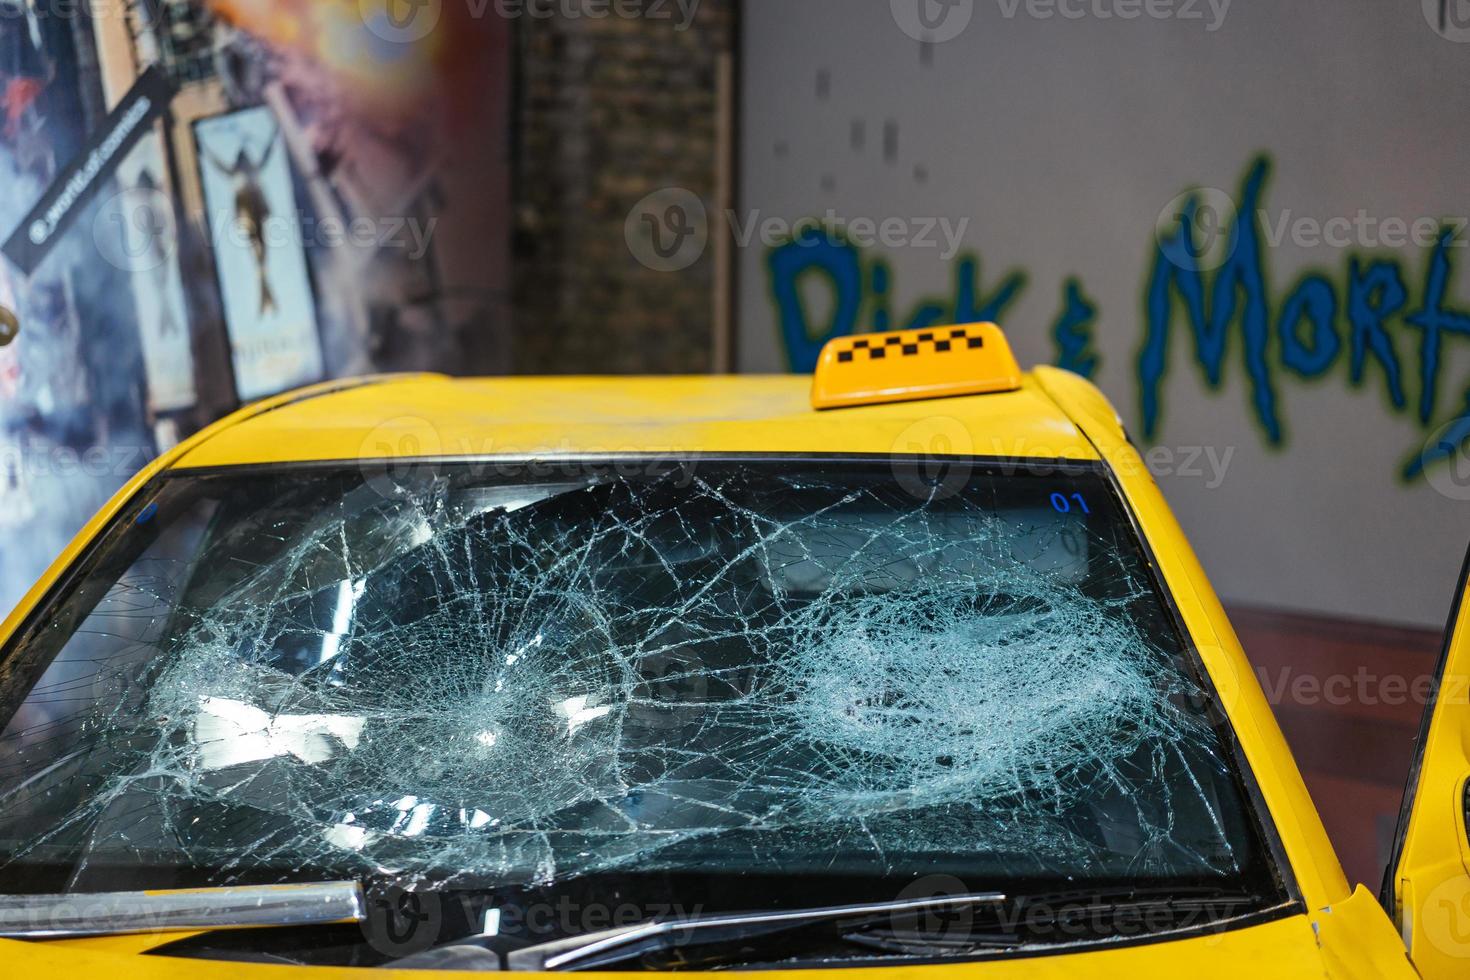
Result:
[435,416]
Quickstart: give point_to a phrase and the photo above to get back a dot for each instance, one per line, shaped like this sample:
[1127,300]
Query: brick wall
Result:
[610,110]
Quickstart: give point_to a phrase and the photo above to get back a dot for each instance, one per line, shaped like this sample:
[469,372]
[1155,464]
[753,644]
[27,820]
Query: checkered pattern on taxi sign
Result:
[906,365]
[938,342]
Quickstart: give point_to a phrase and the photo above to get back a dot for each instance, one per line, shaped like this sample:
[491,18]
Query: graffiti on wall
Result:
[1388,321]
[860,288]
[1306,331]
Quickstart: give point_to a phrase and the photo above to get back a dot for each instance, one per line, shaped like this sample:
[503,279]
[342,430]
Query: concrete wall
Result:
[1054,140]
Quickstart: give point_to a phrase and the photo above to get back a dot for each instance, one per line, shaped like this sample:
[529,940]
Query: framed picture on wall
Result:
[141,226]
[255,237]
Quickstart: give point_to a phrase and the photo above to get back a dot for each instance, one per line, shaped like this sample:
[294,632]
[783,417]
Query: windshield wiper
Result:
[1082,916]
[597,949]
[890,928]
[184,910]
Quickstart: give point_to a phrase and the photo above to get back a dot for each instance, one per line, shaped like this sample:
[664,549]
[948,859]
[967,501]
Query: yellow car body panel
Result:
[1340,933]
[556,417]
[1431,882]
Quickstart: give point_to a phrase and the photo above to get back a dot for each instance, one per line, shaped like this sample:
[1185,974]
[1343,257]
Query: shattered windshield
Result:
[827,673]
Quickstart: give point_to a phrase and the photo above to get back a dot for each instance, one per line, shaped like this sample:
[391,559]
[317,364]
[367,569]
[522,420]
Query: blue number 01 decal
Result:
[1062,504]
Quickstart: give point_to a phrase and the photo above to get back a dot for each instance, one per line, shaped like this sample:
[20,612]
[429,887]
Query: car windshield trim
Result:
[521,462]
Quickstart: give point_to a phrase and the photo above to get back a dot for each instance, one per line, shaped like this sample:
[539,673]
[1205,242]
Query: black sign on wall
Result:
[69,193]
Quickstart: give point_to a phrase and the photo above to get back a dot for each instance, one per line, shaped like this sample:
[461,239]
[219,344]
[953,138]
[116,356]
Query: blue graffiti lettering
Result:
[1306,324]
[1072,332]
[854,289]
[836,263]
[967,287]
[1434,320]
[1222,307]
[1374,296]
[1314,301]
[1176,268]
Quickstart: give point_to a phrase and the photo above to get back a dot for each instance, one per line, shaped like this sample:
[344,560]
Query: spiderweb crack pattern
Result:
[630,673]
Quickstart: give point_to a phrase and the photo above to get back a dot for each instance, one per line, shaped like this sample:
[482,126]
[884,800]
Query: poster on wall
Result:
[255,234]
[141,225]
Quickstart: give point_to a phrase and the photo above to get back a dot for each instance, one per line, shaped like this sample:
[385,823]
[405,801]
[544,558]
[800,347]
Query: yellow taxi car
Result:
[905,670]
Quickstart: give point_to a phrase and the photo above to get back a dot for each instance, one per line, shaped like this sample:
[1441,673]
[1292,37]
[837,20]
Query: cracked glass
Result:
[834,676]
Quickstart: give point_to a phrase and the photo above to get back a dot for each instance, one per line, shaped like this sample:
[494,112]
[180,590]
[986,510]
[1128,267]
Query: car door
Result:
[1426,888]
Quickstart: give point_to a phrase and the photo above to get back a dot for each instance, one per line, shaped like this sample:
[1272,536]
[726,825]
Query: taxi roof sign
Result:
[909,365]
